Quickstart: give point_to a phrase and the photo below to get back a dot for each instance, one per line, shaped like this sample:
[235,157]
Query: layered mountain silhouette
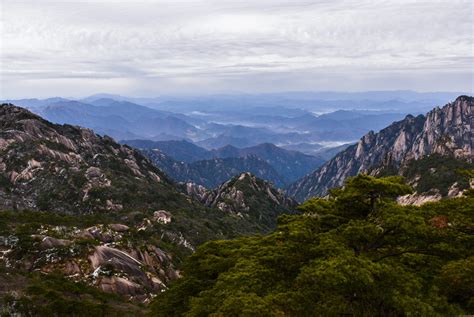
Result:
[263,160]
[213,172]
[69,169]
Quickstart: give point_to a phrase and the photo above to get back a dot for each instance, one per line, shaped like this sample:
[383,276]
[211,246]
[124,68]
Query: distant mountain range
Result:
[69,169]
[119,119]
[297,121]
[213,172]
[210,168]
[447,131]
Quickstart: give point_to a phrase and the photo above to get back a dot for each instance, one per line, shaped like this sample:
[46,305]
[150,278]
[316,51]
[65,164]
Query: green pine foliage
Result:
[433,172]
[356,253]
[55,295]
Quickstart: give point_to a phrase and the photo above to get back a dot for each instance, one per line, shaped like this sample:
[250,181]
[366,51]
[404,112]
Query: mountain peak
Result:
[247,196]
[244,176]
[464,98]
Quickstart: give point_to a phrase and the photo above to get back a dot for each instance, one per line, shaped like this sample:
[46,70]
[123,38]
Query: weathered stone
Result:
[50,242]
[162,216]
[119,227]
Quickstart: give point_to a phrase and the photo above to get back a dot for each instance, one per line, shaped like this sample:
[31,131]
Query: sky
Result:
[148,48]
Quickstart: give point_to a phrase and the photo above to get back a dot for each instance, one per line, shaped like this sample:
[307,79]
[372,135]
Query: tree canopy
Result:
[354,253]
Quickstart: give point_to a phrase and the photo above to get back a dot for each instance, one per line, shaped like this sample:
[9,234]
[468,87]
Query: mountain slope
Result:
[248,197]
[69,169]
[445,131]
[346,255]
[95,212]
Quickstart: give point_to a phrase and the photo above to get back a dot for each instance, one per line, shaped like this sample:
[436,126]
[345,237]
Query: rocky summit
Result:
[446,131]
[248,197]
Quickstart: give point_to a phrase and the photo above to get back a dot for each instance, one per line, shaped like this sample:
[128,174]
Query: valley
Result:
[117,227]
[244,158]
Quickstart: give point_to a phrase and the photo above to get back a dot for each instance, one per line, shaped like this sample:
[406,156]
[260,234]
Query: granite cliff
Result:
[446,131]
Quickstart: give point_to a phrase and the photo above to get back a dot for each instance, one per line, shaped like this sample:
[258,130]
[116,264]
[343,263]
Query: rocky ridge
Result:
[246,196]
[446,131]
[44,166]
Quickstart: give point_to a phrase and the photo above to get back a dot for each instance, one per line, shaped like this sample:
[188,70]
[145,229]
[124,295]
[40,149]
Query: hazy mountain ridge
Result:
[213,172]
[117,119]
[291,165]
[242,120]
[446,131]
[288,165]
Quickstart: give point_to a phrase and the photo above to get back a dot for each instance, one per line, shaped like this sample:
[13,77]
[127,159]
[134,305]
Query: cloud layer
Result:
[76,48]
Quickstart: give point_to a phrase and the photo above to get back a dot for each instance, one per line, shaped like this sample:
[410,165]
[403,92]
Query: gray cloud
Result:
[152,47]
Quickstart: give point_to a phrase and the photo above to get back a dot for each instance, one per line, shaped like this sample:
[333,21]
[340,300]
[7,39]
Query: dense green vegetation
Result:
[356,253]
[438,172]
[55,295]
[433,172]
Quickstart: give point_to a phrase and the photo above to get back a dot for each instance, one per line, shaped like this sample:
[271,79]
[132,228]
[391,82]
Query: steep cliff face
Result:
[247,197]
[445,131]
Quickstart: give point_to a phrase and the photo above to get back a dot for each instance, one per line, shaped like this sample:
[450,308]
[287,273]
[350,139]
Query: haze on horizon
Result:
[147,48]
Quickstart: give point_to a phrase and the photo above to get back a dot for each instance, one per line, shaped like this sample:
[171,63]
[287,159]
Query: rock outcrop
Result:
[445,131]
[248,197]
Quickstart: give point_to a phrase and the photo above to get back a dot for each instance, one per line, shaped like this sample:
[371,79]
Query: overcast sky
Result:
[148,48]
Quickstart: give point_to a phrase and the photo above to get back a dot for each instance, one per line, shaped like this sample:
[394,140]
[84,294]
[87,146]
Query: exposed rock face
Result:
[49,242]
[120,272]
[162,216]
[110,257]
[417,199]
[118,227]
[445,131]
[67,168]
[112,192]
[246,196]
